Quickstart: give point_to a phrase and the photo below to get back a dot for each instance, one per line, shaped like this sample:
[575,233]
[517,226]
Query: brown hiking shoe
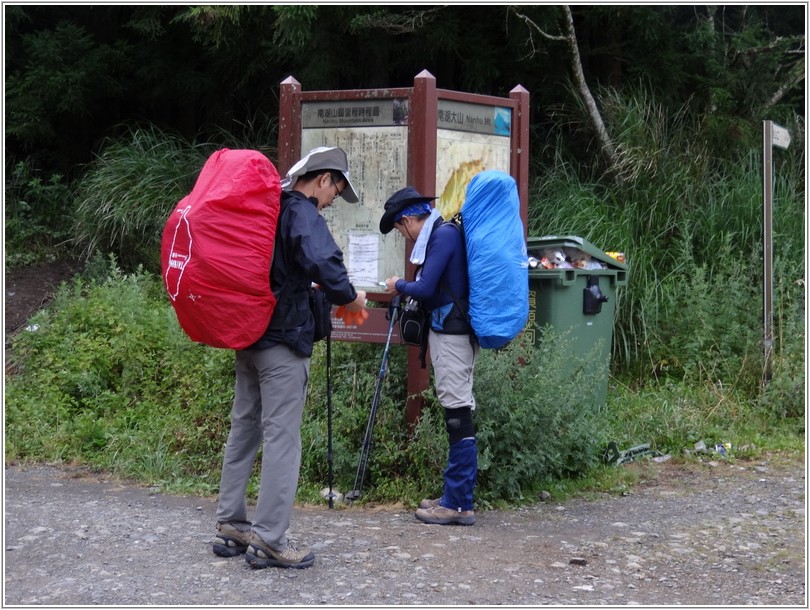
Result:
[429,503]
[440,515]
[260,555]
[230,541]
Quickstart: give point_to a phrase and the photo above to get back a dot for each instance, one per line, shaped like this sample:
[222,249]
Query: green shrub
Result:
[109,379]
[536,416]
[784,392]
[709,324]
[539,427]
[37,213]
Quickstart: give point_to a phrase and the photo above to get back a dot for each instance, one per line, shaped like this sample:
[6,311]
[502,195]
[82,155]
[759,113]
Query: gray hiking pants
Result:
[269,396]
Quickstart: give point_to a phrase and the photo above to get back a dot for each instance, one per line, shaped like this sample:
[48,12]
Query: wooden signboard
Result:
[432,139]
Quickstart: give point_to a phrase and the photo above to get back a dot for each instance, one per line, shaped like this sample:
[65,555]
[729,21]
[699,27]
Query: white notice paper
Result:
[364,256]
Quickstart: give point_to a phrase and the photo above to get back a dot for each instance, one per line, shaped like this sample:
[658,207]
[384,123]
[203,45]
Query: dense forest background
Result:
[646,137]
[76,73]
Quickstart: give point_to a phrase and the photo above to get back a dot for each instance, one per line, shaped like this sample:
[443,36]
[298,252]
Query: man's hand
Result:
[354,313]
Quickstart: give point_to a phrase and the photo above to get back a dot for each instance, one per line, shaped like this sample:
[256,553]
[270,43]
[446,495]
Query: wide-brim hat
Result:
[322,158]
[398,202]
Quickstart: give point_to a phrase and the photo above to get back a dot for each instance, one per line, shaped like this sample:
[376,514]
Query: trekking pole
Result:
[329,458]
[362,466]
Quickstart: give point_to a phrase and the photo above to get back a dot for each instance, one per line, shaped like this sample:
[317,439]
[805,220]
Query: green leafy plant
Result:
[37,214]
[106,376]
[536,416]
[707,327]
[784,395]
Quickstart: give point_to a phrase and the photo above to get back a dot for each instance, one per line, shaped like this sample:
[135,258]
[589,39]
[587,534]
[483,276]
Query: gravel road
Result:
[710,533]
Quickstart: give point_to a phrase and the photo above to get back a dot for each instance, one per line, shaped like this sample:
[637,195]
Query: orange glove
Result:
[354,318]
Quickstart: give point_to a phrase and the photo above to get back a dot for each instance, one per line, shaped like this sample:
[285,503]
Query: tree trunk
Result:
[606,146]
[794,78]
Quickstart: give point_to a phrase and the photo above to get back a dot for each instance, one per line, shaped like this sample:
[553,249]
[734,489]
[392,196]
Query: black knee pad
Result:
[459,424]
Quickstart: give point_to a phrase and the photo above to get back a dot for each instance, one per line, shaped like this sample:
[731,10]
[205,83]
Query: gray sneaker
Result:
[440,515]
[429,503]
[260,555]
[231,541]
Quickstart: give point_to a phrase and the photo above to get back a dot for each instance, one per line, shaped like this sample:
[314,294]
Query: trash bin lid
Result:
[571,241]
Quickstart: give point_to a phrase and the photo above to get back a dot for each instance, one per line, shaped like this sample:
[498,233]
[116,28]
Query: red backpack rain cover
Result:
[217,247]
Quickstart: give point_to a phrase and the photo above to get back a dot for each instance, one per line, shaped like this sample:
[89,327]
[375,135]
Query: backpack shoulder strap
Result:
[282,246]
[456,221]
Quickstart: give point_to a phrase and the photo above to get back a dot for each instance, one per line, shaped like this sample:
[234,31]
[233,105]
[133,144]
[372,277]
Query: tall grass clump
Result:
[707,324]
[733,395]
[128,191]
[689,219]
[784,392]
[257,131]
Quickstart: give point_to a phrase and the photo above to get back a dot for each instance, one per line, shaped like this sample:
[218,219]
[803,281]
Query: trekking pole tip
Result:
[352,496]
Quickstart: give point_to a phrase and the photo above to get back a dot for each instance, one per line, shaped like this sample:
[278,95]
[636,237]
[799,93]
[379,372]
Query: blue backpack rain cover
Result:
[496,258]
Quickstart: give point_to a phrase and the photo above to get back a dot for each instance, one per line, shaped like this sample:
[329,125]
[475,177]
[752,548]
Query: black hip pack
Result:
[414,324]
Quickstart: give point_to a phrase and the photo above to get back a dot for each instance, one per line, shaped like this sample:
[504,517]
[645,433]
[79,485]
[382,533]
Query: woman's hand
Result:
[390,284]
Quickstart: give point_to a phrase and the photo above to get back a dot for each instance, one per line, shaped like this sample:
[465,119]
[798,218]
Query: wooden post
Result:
[289,125]
[520,151]
[423,113]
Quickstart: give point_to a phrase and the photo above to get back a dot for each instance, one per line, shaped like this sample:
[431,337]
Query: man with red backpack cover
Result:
[272,373]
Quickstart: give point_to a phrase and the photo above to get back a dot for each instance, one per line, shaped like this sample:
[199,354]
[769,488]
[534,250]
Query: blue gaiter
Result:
[460,475]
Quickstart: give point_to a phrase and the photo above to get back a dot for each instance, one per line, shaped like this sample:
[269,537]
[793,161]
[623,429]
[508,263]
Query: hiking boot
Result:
[445,516]
[230,541]
[429,503]
[260,555]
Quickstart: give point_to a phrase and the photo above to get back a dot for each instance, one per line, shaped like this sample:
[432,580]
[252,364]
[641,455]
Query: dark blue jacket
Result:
[305,252]
[443,276]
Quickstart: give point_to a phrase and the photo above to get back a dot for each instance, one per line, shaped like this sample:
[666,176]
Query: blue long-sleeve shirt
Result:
[445,263]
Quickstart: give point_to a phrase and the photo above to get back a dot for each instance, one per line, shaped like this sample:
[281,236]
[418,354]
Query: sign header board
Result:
[354,113]
[474,118]
[781,136]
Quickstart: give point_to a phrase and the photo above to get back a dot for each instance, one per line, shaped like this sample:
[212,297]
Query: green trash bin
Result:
[578,295]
